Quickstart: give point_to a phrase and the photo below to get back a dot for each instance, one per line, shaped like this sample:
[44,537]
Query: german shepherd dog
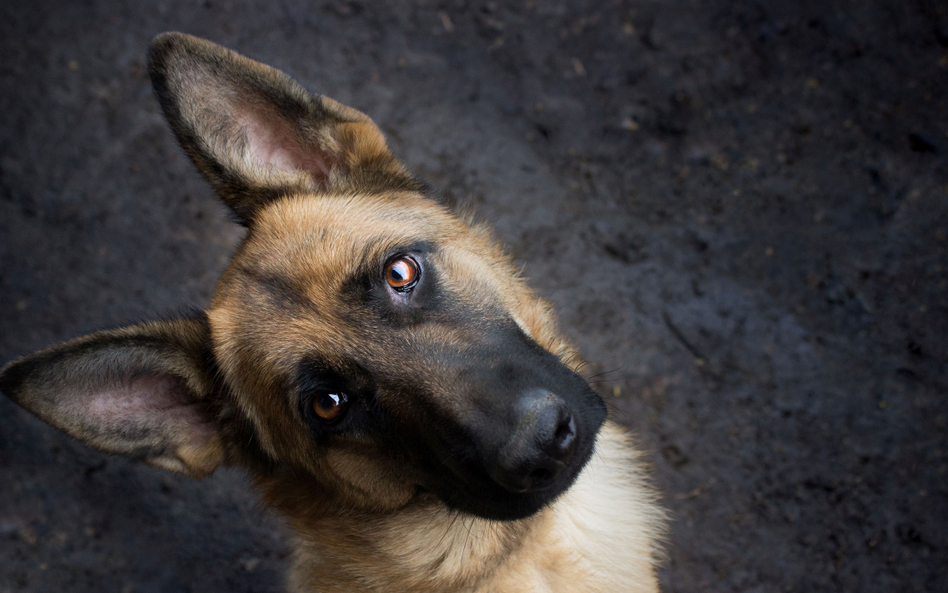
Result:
[371,358]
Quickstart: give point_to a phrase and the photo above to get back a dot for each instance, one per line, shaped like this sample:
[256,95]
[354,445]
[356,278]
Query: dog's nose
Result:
[541,446]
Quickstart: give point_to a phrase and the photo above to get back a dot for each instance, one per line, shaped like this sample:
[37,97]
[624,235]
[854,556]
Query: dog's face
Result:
[383,344]
[364,338]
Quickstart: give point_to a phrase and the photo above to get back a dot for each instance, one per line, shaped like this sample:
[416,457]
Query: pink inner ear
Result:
[157,406]
[273,141]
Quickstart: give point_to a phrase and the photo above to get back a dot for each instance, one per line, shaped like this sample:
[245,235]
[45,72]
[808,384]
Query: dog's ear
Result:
[140,391]
[256,134]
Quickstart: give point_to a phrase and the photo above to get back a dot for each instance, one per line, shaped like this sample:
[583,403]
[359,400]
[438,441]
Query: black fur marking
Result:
[490,372]
[281,292]
[13,376]
[364,416]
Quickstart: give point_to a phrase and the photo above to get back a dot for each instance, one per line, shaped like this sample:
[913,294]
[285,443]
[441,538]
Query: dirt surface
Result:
[740,209]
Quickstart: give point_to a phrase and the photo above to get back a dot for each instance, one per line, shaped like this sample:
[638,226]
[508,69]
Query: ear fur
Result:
[140,391]
[256,134]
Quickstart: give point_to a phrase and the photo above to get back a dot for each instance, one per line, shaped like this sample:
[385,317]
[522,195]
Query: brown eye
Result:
[402,274]
[330,407]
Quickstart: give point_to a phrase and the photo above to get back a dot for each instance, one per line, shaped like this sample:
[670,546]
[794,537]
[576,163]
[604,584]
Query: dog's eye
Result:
[330,407]
[402,273]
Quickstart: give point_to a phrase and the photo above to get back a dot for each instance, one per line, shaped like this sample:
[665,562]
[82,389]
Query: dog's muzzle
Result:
[541,446]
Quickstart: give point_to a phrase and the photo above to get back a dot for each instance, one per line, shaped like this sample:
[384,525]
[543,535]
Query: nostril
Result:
[541,446]
[565,433]
[564,438]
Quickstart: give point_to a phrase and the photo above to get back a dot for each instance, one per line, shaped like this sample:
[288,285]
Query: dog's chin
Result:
[507,506]
[484,498]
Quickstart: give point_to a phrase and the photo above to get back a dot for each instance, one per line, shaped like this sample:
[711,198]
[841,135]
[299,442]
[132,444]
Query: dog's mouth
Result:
[483,497]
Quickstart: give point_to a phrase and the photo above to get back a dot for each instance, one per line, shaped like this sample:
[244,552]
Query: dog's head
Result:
[364,340]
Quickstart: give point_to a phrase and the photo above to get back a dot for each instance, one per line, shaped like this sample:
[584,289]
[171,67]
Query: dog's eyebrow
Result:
[286,293]
[372,257]
[280,290]
[425,247]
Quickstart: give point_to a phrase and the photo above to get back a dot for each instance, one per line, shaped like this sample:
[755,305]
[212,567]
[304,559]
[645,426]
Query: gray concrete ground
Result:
[740,209]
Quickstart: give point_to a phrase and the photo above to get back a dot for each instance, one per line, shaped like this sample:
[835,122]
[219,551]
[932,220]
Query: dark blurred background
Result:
[739,207]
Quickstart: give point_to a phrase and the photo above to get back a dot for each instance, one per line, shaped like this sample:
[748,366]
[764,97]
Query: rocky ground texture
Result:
[740,209]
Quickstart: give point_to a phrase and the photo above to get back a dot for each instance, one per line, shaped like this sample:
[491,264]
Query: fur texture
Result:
[373,359]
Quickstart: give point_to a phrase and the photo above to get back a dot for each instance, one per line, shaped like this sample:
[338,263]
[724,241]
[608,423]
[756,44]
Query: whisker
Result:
[619,368]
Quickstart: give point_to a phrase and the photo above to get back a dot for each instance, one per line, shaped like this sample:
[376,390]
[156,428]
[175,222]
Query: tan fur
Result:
[598,538]
[323,199]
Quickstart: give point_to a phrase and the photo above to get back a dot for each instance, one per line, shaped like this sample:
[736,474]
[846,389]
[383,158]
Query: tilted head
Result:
[364,340]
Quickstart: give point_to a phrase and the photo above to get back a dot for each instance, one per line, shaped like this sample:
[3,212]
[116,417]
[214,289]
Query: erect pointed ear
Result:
[256,134]
[140,391]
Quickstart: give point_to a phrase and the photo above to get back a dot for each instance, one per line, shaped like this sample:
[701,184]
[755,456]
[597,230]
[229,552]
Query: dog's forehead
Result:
[296,285]
[290,277]
[339,232]
[318,244]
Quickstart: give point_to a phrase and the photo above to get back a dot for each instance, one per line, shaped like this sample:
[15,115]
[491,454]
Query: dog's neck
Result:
[422,546]
[598,536]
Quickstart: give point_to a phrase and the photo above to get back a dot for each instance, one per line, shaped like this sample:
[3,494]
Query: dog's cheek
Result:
[369,480]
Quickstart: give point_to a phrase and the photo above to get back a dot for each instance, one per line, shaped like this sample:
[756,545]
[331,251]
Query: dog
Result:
[373,359]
